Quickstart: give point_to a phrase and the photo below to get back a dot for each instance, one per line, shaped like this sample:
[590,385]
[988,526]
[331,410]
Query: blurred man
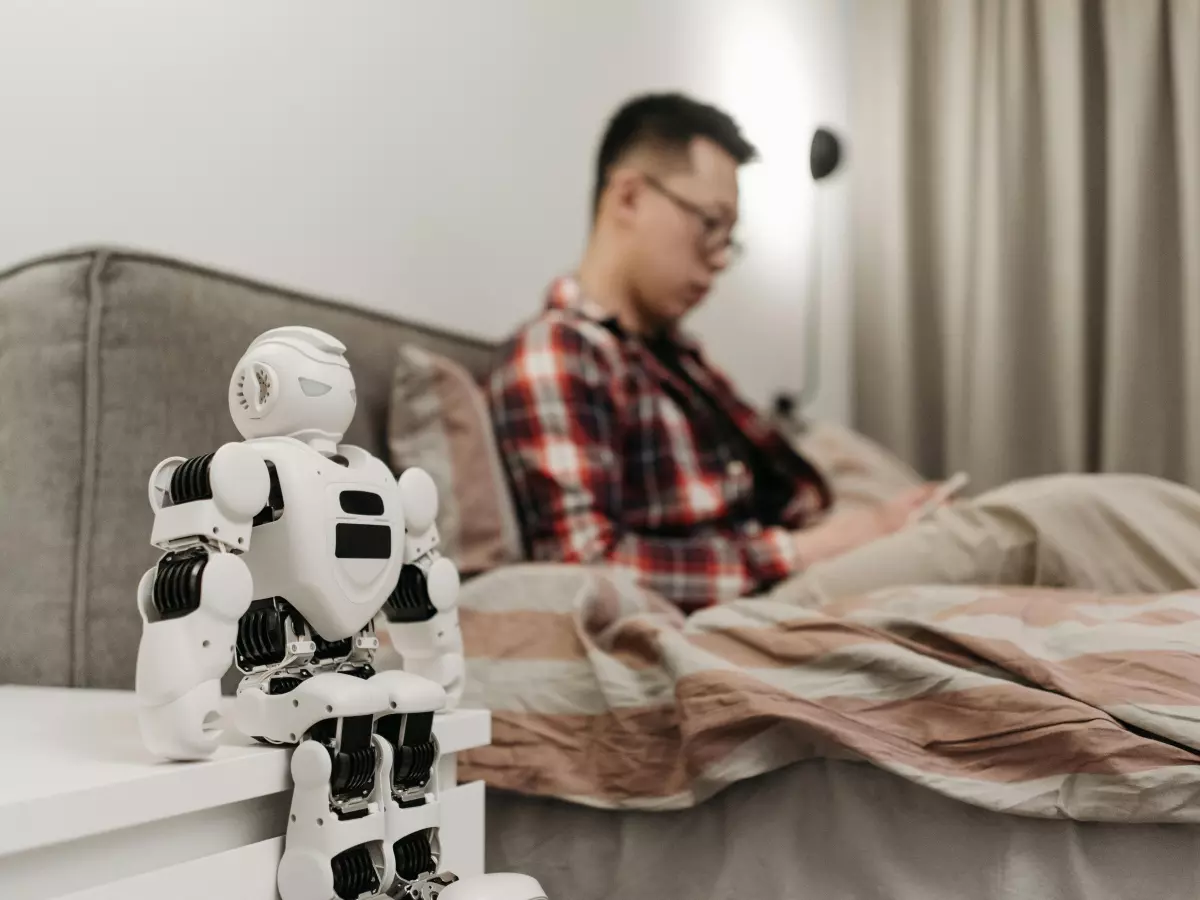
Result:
[623,444]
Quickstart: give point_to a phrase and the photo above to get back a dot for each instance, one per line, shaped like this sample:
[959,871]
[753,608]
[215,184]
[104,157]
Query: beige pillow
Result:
[439,421]
[860,472]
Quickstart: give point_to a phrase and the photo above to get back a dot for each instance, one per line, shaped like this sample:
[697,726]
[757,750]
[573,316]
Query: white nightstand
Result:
[87,814]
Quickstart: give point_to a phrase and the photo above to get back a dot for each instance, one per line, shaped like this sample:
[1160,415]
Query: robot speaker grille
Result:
[191,482]
[354,873]
[177,584]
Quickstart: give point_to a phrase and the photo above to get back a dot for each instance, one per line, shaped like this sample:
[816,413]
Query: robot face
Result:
[293,382]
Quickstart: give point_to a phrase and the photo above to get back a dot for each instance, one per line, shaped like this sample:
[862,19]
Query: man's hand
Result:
[897,512]
[847,531]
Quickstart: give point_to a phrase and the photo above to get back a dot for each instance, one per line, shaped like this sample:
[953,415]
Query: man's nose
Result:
[718,260]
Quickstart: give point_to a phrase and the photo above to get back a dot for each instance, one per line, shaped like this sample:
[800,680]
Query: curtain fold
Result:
[1026,234]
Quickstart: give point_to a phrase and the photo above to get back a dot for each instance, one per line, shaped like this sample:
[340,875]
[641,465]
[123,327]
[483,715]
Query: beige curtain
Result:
[1026,234]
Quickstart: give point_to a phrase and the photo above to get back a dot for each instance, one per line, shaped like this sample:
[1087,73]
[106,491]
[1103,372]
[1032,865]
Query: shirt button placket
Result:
[735,480]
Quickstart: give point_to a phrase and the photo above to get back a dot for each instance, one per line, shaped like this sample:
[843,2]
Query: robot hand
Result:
[448,665]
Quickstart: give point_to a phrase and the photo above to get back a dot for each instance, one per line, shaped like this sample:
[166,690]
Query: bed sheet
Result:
[1034,702]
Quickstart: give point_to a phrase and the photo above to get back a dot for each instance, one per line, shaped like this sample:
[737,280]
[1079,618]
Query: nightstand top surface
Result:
[73,765]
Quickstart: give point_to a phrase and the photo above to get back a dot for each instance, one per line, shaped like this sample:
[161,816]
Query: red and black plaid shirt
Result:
[614,456]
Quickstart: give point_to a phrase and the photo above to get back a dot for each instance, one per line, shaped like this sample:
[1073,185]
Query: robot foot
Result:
[498,886]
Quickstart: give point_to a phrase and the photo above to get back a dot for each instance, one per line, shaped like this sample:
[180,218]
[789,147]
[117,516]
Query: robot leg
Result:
[334,848]
[190,604]
[412,834]
[408,753]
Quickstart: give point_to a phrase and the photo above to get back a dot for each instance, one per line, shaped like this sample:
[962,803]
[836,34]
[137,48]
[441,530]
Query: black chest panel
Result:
[354,540]
[361,503]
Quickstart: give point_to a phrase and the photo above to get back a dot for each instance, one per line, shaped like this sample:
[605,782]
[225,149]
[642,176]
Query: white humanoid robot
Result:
[279,552]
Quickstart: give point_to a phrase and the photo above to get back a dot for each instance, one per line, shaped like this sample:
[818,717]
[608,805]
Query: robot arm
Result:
[191,601]
[422,612]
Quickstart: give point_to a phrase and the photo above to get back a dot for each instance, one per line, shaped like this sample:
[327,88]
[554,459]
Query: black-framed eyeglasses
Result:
[715,236]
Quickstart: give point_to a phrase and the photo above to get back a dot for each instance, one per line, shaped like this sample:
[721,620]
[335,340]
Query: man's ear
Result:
[624,194]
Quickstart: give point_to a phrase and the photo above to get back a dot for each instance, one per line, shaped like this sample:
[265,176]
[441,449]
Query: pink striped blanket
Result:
[1033,702]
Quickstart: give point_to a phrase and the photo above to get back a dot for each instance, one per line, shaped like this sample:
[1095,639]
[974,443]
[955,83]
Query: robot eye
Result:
[314,388]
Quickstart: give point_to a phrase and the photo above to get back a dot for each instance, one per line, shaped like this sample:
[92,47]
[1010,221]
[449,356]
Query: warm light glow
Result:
[761,77]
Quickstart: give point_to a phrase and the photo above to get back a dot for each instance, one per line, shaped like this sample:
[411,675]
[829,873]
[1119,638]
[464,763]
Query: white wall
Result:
[432,159]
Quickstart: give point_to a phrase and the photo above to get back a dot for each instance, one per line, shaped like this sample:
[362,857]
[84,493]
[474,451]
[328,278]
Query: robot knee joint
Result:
[311,766]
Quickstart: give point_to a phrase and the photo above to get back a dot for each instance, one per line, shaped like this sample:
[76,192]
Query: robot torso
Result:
[334,546]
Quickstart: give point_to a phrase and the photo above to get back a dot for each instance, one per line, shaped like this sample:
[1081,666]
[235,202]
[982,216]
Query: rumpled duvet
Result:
[1035,702]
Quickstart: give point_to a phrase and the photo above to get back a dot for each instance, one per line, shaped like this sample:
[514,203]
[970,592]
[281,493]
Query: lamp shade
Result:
[825,154]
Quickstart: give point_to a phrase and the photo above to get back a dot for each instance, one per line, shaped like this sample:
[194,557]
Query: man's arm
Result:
[556,406]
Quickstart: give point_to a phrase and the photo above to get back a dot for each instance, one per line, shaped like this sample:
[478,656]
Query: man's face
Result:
[681,232]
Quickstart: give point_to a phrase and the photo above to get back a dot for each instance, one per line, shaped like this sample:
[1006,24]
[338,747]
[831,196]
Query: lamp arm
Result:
[811,385]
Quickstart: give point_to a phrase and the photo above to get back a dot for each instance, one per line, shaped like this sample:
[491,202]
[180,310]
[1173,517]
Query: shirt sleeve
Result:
[557,409]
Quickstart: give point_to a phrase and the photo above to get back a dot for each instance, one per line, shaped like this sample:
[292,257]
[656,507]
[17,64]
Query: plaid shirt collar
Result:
[566,293]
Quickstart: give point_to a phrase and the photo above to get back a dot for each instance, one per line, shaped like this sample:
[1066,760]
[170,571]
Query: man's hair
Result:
[669,123]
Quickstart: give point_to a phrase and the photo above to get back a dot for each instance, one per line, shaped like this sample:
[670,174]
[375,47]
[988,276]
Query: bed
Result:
[915,743]
[834,829]
[667,761]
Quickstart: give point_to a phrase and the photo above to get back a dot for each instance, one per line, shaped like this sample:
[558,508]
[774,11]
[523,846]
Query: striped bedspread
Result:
[1032,702]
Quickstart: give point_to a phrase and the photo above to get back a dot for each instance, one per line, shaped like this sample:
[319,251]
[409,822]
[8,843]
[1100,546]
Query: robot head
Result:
[294,382]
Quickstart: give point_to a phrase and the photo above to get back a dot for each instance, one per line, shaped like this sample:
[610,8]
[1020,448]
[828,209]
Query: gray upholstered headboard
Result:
[111,360]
